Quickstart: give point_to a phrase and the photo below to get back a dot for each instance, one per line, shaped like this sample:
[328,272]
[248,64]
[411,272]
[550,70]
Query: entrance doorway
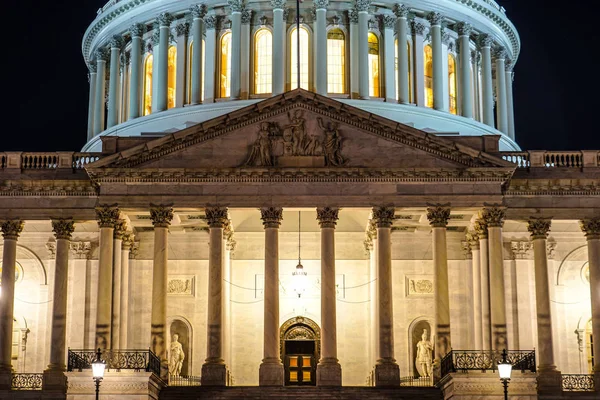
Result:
[300,351]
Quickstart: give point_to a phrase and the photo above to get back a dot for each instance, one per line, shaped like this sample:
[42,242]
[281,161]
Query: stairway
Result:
[299,393]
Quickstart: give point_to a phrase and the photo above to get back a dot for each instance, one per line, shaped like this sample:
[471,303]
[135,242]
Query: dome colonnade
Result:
[145,59]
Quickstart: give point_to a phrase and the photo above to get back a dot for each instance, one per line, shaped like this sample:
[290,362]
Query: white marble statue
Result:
[176,356]
[424,358]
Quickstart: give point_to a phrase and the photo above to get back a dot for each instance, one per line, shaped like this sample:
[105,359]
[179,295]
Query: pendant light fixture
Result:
[299,274]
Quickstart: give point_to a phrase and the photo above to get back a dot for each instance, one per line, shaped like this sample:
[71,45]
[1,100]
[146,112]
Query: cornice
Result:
[47,188]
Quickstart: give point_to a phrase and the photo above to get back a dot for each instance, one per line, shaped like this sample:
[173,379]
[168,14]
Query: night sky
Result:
[556,108]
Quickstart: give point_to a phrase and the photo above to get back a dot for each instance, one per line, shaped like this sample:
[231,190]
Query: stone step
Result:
[300,393]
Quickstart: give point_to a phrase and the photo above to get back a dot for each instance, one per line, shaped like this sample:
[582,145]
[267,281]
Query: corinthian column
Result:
[402,26]
[473,240]
[107,217]
[271,369]
[214,369]
[278,47]
[124,312]
[484,261]
[329,370]
[494,218]
[11,229]
[591,229]
[389,22]
[509,99]
[464,30]
[161,216]
[209,62]
[113,83]
[162,62]
[99,103]
[435,31]
[438,216]
[501,104]
[118,233]
[362,6]
[487,93]
[198,13]
[91,108]
[354,66]
[135,84]
[549,379]
[387,372]
[321,46]
[237,6]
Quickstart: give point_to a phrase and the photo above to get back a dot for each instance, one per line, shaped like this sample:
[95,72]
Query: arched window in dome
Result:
[225,68]
[410,92]
[303,58]
[263,61]
[147,107]
[373,65]
[171,76]
[336,61]
[452,83]
[189,71]
[428,76]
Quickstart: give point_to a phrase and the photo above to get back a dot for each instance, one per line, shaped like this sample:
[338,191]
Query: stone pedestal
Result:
[54,381]
[329,373]
[214,374]
[486,385]
[5,380]
[387,374]
[549,381]
[270,373]
[124,385]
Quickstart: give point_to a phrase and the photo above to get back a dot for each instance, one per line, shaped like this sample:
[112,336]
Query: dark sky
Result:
[555,107]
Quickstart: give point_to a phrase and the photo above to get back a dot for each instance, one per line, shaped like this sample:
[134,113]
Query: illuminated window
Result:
[336,61]
[189,81]
[303,58]
[373,65]
[428,77]
[171,77]
[452,83]
[148,85]
[263,61]
[225,75]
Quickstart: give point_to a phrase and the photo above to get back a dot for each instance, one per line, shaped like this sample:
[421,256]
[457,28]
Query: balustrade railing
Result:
[563,159]
[39,161]
[520,158]
[416,382]
[26,381]
[577,383]
[47,161]
[552,159]
[80,160]
[486,360]
[184,380]
[137,360]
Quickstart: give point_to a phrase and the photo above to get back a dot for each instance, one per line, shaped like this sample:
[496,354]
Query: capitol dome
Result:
[450,75]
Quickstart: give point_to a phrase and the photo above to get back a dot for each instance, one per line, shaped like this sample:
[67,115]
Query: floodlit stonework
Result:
[290,237]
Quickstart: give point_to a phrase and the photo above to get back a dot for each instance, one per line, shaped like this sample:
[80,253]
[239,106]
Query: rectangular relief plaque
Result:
[419,285]
[182,285]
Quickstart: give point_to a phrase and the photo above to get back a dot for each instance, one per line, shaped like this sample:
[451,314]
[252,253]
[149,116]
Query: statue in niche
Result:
[261,153]
[424,358]
[176,356]
[332,143]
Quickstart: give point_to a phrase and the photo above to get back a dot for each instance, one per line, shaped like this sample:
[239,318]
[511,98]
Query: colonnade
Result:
[475,91]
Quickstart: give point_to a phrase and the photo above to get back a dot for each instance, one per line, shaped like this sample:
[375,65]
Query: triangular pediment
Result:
[299,129]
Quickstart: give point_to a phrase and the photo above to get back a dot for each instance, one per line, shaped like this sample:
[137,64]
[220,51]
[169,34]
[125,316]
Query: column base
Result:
[597,380]
[387,374]
[549,380]
[270,374]
[329,373]
[5,379]
[55,381]
[214,374]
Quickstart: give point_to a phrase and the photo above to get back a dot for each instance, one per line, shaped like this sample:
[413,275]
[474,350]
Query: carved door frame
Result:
[300,328]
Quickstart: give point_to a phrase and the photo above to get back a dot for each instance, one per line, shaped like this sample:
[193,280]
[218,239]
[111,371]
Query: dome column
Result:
[321,46]
[278,62]
[475,57]
[198,13]
[118,233]
[161,62]
[435,31]
[113,82]
[245,54]
[99,104]
[510,109]
[237,6]
[362,6]
[418,30]
[209,61]
[389,22]
[135,83]
[354,66]
[92,98]
[402,27]
[487,93]
[501,103]
[464,30]
[181,73]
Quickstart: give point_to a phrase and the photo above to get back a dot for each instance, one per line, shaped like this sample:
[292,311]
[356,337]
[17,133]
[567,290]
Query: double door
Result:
[300,362]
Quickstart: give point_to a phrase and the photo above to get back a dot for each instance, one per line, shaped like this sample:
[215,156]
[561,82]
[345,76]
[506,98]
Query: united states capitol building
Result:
[281,200]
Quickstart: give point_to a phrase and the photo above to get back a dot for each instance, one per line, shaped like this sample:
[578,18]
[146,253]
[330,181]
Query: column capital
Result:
[438,215]
[210,21]
[11,228]
[353,15]
[480,227]
[463,29]
[107,215]
[485,40]
[120,229]
[93,68]
[80,250]
[63,228]
[216,216]
[198,10]
[137,30]
[500,53]
[591,227]
[246,16]
[101,55]
[278,4]
[389,21]
[493,215]
[475,56]
[383,216]
[116,42]
[435,18]
[128,239]
[473,239]
[327,216]
[320,4]
[362,5]
[236,5]
[161,215]
[182,29]
[466,248]
[165,19]
[417,28]
[508,66]
[271,216]
[539,227]
[401,10]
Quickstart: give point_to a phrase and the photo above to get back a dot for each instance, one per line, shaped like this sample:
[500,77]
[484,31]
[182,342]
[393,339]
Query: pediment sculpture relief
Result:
[296,145]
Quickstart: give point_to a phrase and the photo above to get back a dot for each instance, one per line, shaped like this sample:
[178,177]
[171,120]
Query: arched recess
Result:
[181,326]
[577,254]
[299,370]
[415,331]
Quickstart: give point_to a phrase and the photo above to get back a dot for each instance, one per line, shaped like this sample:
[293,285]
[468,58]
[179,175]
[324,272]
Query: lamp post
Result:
[504,370]
[98,367]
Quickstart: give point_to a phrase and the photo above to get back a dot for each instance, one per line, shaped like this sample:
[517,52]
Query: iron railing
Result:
[416,382]
[137,360]
[184,380]
[486,360]
[26,381]
[577,383]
